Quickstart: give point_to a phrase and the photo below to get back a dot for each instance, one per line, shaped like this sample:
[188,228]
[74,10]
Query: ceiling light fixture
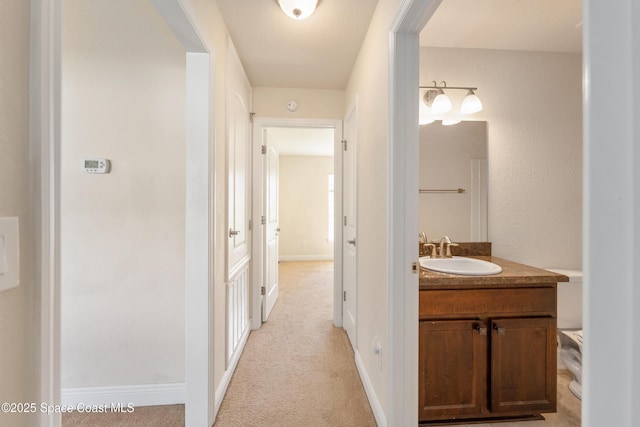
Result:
[298,9]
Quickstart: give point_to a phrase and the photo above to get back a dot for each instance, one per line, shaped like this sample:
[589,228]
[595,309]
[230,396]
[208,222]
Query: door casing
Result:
[258,243]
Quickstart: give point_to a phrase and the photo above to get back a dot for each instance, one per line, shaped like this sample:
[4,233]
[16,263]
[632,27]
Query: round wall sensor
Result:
[292,105]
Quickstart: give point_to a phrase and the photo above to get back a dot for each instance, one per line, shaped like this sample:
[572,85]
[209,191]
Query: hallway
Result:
[298,369]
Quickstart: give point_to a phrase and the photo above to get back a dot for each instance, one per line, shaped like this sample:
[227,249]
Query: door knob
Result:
[352,242]
[233,232]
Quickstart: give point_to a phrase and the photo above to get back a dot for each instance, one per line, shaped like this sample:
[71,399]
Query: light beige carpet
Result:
[298,369]
[145,416]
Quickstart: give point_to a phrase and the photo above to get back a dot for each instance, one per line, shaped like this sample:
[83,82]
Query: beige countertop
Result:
[512,274]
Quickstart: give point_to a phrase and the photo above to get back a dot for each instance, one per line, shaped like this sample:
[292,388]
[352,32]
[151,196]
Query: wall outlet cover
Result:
[9,253]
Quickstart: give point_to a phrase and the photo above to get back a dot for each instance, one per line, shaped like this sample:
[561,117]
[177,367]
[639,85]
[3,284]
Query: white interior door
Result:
[239,164]
[349,242]
[271,230]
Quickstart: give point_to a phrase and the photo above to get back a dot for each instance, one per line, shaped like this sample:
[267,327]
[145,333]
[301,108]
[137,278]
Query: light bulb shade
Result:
[452,121]
[425,120]
[298,9]
[424,114]
[471,104]
[441,104]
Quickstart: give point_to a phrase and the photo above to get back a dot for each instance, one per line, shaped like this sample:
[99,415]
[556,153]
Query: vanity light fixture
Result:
[441,104]
[471,103]
[424,114]
[298,9]
[436,98]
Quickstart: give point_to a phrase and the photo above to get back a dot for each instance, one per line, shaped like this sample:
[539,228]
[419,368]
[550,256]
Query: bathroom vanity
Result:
[487,344]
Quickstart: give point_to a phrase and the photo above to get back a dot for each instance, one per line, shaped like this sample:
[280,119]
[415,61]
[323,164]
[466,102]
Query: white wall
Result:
[214,33]
[304,204]
[122,238]
[533,105]
[369,84]
[312,103]
[18,333]
[445,163]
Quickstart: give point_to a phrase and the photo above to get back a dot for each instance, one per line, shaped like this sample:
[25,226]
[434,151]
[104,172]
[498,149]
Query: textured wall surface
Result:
[368,86]
[533,108]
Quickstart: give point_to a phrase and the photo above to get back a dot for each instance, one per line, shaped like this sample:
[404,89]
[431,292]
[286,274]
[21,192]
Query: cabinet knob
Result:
[481,328]
[498,329]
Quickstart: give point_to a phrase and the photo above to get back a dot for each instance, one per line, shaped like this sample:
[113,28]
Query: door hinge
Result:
[414,267]
[345,220]
[344,296]
[264,149]
[251,117]
[344,144]
[263,220]
[263,291]
[250,224]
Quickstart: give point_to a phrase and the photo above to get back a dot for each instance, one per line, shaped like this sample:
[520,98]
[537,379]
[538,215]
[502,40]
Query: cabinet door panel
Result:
[523,365]
[452,369]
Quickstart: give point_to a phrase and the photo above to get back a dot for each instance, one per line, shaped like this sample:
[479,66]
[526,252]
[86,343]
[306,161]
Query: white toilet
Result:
[570,327]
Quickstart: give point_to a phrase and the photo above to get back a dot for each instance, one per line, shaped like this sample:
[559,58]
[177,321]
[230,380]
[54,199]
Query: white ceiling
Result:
[319,52]
[533,25]
[314,53]
[301,141]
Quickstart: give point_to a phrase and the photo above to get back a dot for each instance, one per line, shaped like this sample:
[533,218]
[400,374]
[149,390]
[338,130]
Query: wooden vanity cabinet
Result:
[523,365]
[452,369]
[487,353]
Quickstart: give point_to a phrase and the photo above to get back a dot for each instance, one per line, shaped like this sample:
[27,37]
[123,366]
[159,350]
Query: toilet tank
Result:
[569,299]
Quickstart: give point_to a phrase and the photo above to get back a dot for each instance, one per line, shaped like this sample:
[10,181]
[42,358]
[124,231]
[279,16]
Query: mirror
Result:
[453,181]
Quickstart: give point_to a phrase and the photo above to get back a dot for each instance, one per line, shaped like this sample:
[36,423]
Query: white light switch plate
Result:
[9,253]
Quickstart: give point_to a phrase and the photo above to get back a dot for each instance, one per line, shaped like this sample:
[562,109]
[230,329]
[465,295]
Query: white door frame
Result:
[260,123]
[611,202]
[46,52]
[353,109]
[402,199]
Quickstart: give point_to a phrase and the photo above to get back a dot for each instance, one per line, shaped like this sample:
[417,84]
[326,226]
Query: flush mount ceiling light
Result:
[298,9]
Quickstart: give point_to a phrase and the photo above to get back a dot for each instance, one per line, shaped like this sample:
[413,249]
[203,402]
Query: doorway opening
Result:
[296,200]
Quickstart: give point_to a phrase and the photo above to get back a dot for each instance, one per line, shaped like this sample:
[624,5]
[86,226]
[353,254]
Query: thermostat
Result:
[96,165]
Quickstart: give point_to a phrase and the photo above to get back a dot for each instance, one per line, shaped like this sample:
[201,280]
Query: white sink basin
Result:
[460,265]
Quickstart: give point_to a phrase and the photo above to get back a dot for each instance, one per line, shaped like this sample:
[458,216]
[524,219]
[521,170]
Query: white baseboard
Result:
[138,395]
[376,407]
[221,390]
[305,258]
